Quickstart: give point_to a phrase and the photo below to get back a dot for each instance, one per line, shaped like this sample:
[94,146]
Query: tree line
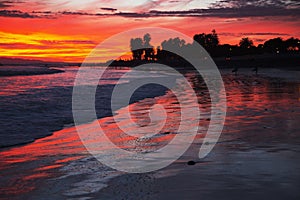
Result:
[142,49]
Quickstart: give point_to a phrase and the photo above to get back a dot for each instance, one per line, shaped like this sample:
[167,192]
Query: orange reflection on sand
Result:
[26,164]
[61,142]
[49,167]
[68,159]
[35,176]
[50,153]
[261,107]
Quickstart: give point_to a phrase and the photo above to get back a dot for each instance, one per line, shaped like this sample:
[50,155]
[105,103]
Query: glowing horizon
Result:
[67,31]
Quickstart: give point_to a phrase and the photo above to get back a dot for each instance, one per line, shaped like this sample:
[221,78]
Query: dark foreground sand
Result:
[261,173]
[253,174]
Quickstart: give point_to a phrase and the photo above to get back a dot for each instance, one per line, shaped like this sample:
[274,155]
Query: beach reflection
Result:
[22,167]
[262,111]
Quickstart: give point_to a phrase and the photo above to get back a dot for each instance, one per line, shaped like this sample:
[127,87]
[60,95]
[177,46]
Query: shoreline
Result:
[65,117]
[246,174]
[208,179]
[62,126]
[27,71]
[280,61]
[181,185]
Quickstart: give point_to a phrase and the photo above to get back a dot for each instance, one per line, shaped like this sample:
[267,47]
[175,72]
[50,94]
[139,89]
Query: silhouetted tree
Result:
[246,43]
[226,50]
[275,45]
[158,53]
[148,48]
[292,44]
[214,39]
[208,41]
[141,48]
[175,44]
[136,46]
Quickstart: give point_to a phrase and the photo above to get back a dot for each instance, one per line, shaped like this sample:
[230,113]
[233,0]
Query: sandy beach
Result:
[27,71]
[150,100]
[257,155]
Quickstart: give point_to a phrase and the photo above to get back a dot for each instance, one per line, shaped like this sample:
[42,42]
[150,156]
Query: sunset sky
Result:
[65,30]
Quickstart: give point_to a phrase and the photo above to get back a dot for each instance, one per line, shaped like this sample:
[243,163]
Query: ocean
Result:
[259,145]
[35,106]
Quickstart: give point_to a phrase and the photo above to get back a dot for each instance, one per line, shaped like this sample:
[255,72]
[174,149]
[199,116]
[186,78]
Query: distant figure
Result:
[255,69]
[235,70]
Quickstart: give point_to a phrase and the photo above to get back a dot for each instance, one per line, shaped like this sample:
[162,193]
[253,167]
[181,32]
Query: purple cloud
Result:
[109,9]
[17,13]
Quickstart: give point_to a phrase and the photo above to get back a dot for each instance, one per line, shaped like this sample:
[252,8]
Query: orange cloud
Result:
[72,37]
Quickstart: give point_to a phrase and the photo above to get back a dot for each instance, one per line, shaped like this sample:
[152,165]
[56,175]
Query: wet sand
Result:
[279,61]
[27,71]
[257,155]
